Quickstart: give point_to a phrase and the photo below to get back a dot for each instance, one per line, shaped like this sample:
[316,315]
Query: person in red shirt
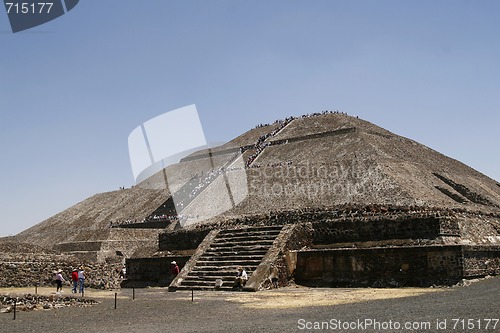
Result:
[74,280]
[174,269]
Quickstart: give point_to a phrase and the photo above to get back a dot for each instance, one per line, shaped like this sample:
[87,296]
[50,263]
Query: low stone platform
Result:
[403,266]
[370,246]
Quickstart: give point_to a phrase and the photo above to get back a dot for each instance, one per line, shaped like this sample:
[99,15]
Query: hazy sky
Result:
[73,89]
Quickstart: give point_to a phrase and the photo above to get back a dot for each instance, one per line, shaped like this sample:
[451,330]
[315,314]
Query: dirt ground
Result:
[46,291]
[290,297]
[298,297]
[291,309]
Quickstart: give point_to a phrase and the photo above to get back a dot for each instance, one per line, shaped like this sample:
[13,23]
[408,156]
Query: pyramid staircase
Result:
[220,259]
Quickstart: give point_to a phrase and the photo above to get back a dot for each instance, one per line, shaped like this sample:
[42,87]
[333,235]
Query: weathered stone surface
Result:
[90,220]
[421,245]
[142,272]
[29,271]
[378,267]
[276,269]
[395,266]
[29,302]
[358,188]
[182,239]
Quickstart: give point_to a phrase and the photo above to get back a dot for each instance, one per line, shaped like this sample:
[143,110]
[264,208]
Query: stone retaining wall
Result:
[380,267]
[182,239]
[371,214]
[25,272]
[144,225]
[481,260]
[142,272]
[78,246]
[361,231]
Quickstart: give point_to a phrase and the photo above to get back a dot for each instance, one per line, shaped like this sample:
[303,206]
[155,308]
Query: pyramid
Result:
[382,210]
[85,227]
[330,160]
[357,186]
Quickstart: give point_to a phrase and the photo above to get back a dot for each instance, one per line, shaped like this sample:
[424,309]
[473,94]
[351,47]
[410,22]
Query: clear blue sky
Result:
[73,89]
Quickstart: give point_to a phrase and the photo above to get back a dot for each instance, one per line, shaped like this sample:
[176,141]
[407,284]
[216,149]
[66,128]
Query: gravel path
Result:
[283,310]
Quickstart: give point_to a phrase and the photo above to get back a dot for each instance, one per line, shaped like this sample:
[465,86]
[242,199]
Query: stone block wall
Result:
[449,226]
[349,214]
[481,260]
[380,267]
[145,225]
[143,272]
[78,246]
[182,239]
[17,272]
[329,232]
[115,245]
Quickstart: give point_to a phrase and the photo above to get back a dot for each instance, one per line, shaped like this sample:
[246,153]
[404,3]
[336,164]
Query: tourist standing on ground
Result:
[74,280]
[81,279]
[174,269]
[59,280]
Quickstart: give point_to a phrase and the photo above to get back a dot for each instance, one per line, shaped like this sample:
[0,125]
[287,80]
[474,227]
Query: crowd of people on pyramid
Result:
[272,164]
[307,115]
[261,142]
[199,182]
[171,216]
[190,190]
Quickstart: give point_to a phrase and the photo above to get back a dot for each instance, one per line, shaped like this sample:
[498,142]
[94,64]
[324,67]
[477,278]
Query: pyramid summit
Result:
[357,194]
[334,159]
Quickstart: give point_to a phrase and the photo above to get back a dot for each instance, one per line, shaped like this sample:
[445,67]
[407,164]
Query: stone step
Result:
[230,257]
[241,250]
[232,268]
[234,263]
[246,251]
[229,250]
[270,233]
[243,238]
[210,278]
[231,273]
[251,229]
[237,243]
[205,283]
[189,288]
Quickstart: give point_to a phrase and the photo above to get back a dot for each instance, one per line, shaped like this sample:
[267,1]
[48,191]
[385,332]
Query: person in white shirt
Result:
[59,280]
[241,278]
[81,279]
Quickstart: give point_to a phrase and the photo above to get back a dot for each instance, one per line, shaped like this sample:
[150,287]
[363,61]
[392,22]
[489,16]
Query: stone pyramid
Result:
[331,160]
[323,161]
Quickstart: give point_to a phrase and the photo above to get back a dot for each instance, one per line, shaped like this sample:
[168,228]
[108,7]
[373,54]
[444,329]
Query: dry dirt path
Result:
[284,310]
